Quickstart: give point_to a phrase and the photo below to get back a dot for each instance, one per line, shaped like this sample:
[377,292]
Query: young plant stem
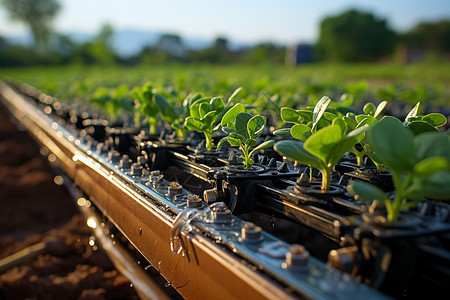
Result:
[247,161]
[180,134]
[209,141]
[152,128]
[401,184]
[326,178]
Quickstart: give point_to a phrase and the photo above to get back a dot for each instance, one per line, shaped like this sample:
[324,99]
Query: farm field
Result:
[407,84]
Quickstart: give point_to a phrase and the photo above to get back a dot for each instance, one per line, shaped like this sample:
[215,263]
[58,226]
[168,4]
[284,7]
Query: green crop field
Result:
[408,84]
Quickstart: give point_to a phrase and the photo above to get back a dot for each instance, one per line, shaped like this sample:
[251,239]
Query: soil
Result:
[33,209]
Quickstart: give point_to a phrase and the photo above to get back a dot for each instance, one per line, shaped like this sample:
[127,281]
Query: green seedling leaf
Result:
[194,109]
[262,146]
[167,111]
[346,100]
[120,92]
[255,126]
[319,109]
[413,112]
[380,108]
[237,136]
[300,132]
[289,115]
[369,109]
[366,191]
[228,130]
[393,144]
[432,144]
[233,95]
[231,114]
[341,123]
[418,127]
[222,140]
[234,142]
[370,120]
[192,123]
[284,132]
[431,165]
[435,119]
[351,124]
[203,109]
[436,186]
[241,123]
[305,116]
[296,151]
[216,105]
[322,142]
[250,142]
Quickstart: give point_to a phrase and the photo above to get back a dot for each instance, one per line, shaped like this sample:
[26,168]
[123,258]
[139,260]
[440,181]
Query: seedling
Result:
[113,102]
[306,122]
[323,149]
[420,166]
[370,118]
[146,108]
[204,113]
[243,130]
[427,123]
[168,113]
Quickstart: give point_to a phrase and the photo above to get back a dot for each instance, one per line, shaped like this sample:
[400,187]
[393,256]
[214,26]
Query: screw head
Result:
[251,232]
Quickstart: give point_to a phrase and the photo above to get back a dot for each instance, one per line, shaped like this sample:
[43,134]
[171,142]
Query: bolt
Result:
[125,162]
[303,180]
[114,156]
[155,177]
[136,170]
[194,201]
[210,196]
[221,214]
[297,257]
[343,259]
[251,232]
[174,188]
[283,168]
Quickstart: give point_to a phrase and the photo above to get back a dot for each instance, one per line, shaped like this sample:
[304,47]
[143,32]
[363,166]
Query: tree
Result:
[37,14]
[266,53]
[430,36]
[98,51]
[354,36]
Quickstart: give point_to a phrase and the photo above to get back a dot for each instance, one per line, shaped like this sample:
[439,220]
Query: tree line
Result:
[351,36]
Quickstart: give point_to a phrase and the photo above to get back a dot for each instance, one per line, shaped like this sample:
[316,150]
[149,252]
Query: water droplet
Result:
[167,284]
[131,285]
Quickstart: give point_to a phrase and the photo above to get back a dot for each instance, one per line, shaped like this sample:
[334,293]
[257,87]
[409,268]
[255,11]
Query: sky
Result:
[249,21]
